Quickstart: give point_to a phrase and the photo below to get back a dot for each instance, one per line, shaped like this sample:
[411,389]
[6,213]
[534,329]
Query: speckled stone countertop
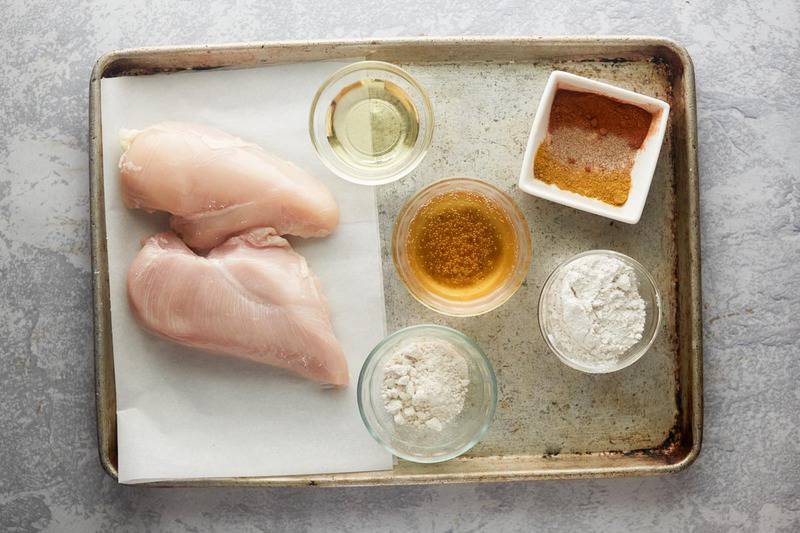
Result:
[747,56]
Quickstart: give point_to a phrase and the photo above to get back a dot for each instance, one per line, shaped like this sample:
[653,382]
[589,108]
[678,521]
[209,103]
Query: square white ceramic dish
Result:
[644,164]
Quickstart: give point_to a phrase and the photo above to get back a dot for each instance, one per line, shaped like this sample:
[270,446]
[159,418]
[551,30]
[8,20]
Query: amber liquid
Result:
[461,245]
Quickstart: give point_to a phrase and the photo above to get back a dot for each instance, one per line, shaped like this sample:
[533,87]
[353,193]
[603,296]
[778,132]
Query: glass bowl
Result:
[382,165]
[424,445]
[647,290]
[488,301]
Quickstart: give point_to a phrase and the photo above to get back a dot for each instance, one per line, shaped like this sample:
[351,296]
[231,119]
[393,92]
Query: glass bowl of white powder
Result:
[427,393]
[599,311]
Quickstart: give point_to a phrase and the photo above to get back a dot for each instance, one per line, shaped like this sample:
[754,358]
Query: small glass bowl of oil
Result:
[461,246]
[371,123]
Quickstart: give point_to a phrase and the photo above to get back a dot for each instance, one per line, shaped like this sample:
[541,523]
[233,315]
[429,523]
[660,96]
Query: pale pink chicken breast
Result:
[252,297]
[216,185]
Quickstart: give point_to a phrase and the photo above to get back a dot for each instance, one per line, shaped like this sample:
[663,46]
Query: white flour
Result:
[425,383]
[596,312]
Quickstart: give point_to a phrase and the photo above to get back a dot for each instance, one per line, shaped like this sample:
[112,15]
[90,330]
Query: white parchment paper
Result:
[182,413]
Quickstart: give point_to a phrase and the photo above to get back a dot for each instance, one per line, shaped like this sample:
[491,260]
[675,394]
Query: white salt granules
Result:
[596,312]
[425,383]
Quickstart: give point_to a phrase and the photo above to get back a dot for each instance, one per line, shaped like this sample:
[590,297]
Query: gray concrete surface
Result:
[747,56]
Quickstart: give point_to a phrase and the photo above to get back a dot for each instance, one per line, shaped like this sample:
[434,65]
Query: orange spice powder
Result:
[591,144]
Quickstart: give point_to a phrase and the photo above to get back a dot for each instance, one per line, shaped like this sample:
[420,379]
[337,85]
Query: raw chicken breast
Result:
[252,297]
[217,185]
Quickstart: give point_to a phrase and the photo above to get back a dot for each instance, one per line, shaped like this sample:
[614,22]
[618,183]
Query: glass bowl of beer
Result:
[461,246]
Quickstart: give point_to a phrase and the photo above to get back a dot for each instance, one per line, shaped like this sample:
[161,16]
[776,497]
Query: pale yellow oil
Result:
[372,123]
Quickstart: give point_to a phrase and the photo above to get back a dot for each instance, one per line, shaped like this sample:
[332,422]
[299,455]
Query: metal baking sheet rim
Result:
[139,61]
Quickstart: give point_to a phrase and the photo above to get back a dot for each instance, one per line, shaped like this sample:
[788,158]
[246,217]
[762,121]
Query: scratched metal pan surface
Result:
[552,421]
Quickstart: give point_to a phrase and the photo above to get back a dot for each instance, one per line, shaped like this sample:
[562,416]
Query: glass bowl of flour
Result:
[427,393]
[599,311]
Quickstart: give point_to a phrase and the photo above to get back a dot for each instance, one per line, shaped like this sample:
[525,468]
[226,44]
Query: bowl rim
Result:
[427,110]
[483,359]
[631,359]
[524,246]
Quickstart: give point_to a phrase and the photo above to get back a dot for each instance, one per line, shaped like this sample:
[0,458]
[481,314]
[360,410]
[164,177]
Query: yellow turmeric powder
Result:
[609,186]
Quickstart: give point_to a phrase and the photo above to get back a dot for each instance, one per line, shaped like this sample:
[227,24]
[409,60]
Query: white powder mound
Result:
[425,383]
[596,312]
